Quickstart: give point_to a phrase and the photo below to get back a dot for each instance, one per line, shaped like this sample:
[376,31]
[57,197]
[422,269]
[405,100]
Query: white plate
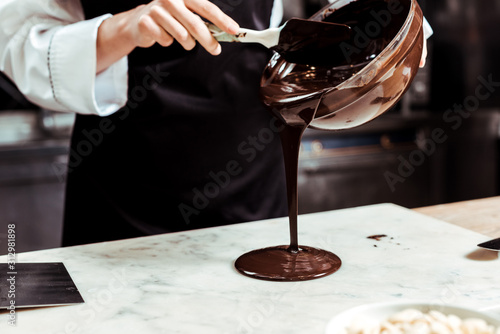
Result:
[381,311]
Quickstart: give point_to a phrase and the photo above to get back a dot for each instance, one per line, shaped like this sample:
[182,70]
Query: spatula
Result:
[37,285]
[491,244]
[298,41]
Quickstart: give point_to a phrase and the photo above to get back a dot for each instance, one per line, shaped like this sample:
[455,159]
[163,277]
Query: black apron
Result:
[194,147]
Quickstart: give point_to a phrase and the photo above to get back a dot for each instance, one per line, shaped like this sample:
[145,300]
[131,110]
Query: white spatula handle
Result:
[268,37]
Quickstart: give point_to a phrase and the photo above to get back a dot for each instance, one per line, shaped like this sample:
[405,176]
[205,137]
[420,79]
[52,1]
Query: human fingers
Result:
[194,25]
[164,19]
[148,27]
[214,14]
[424,54]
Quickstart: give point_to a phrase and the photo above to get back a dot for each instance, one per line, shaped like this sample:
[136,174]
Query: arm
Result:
[63,63]
[49,52]
[160,21]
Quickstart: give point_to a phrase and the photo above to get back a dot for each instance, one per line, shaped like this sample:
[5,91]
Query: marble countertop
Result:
[185,282]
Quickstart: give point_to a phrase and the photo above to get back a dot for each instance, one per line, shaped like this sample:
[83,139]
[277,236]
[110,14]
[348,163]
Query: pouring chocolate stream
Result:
[298,93]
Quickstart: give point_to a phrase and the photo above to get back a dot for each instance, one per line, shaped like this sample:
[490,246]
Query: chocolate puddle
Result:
[294,262]
[294,94]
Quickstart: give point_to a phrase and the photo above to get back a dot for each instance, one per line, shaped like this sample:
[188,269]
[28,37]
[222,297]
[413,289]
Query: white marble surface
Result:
[185,282]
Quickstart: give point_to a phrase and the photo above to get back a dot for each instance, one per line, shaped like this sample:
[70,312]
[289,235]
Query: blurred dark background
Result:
[337,169]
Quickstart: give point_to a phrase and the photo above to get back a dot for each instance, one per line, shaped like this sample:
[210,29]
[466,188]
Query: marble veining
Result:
[185,282]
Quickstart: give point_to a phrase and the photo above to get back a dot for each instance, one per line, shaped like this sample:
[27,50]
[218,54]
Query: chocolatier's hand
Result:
[162,22]
[424,54]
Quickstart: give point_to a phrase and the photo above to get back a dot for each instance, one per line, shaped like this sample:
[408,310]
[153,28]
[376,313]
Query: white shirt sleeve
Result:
[427,29]
[49,51]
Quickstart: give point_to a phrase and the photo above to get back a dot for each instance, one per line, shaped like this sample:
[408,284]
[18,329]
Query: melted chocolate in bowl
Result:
[312,42]
[380,62]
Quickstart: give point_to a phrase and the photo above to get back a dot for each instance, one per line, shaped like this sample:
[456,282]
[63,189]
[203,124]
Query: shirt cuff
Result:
[72,67]
[427,29]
